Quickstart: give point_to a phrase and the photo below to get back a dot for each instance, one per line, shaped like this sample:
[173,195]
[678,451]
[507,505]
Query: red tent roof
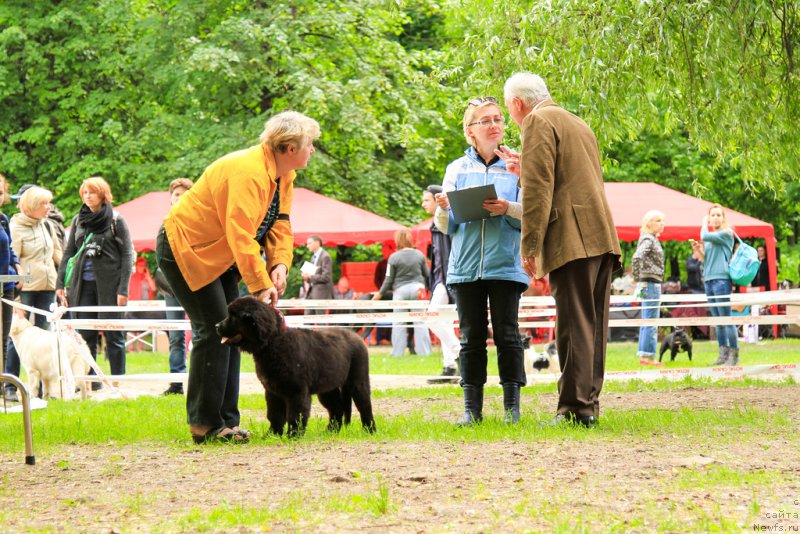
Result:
[342,224]
[336,222]
[629,201]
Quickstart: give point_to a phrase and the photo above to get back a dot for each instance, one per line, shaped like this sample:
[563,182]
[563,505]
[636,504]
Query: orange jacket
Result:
[214,224]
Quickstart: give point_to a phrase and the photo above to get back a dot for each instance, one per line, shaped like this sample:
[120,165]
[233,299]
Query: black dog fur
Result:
[677,341]
[294,363]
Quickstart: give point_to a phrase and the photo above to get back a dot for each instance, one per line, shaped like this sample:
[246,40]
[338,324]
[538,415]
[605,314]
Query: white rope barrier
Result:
[535,312]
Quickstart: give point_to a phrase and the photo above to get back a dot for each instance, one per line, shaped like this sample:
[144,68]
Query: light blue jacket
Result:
[718,247]
[486,249]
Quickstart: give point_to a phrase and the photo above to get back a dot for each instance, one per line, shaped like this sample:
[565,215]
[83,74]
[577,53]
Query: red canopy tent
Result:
[336,222]
[342,224]
[629,201]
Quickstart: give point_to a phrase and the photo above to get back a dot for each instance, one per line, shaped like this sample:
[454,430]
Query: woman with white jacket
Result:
[35,242]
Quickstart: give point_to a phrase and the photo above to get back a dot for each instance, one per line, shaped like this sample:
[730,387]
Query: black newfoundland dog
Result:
[294,363]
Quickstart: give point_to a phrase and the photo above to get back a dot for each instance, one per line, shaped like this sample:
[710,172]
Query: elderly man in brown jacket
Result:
[567,231]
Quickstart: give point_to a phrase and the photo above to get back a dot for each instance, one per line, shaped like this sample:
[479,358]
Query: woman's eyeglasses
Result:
[482,100]
[485,123]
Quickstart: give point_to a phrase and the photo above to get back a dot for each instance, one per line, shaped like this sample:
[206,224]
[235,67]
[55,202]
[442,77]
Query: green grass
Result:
[162,420]
[620,357]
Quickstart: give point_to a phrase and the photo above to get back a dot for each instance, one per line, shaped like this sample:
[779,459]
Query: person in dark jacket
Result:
[9,264]
[439,253]
[101,244]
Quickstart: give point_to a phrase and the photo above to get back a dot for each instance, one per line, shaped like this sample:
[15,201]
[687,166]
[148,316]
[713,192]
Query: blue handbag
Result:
[744,264]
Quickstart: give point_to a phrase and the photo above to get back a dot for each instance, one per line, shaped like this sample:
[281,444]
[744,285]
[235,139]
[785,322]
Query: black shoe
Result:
[174,389]
[572,419]
[97,386]
[450,371]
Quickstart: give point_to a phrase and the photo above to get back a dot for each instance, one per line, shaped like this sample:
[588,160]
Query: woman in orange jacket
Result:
[213,237]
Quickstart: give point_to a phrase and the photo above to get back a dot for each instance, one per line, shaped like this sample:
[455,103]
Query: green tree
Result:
[142,92]
[725,72]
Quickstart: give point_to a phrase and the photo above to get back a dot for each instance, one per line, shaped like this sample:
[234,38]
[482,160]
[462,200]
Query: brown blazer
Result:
[565,213]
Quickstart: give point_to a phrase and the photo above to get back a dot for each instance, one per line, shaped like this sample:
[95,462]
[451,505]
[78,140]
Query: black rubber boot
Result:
[511,402]
[473,405]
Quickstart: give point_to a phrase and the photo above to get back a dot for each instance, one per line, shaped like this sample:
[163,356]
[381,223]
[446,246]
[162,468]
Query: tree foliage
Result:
[723,71]
[143,92]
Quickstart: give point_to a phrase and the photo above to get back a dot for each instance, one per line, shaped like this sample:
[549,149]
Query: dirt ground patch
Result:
[504,486]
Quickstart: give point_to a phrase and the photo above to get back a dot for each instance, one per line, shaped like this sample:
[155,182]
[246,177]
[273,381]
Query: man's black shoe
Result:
[174,389]
[450,371]
[572,419]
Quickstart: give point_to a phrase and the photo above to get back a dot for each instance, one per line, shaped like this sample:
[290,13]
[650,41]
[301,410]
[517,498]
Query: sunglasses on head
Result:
[482,100]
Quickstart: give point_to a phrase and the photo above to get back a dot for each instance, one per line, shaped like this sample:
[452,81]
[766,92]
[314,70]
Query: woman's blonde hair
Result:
[99,186]
[725,225]
[648,218]
[472,108]
[289,128]
[403,239]
[32,198]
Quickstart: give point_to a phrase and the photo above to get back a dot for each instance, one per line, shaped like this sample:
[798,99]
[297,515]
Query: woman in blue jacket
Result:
[485,262]
[718,248]
[9,264]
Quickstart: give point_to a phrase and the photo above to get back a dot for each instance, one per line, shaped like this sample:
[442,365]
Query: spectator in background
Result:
[177,338]
[694,268]
[141,286]
[648,270]
[406,274]
[38,247]
[318,286]
[101,244]
[9,264]
[718,241]
[762,276]
[342,290]
[440,256]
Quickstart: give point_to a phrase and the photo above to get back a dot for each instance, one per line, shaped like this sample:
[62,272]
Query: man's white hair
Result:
[528,87]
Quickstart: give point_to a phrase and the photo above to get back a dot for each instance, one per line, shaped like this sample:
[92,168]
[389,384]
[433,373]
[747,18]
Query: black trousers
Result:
[115,339]
[473,318]
[212,397]
[582,290]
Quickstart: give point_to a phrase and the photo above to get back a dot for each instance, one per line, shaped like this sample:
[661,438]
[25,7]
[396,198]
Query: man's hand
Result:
[510,157]
[529,264]
[278,276]
[122,300]
[496,206]
[441,200]
[61,297]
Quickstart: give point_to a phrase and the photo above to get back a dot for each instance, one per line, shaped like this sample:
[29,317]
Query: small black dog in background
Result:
[677,341]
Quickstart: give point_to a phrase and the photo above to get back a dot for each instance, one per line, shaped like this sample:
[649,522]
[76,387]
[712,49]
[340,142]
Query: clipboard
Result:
[467,204]
[308,268]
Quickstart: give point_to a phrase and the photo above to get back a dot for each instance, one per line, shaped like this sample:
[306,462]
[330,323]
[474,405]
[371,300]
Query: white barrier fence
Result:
[535,312]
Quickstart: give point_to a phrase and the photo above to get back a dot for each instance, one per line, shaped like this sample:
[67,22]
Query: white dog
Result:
[37,349]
